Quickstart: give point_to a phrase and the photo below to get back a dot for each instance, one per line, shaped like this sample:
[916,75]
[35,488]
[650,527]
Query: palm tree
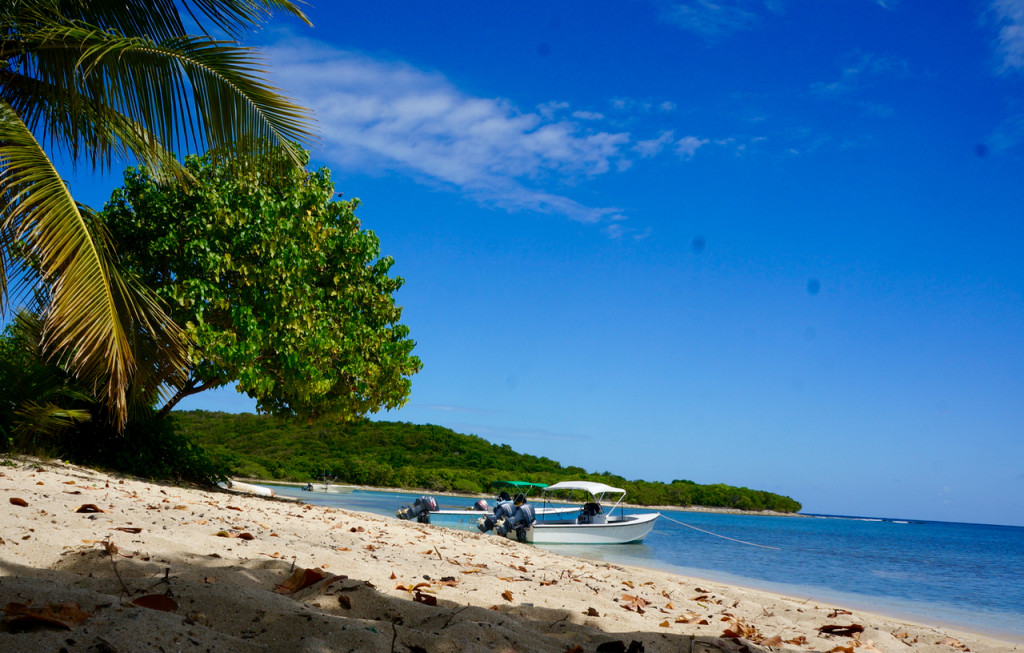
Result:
[96,81]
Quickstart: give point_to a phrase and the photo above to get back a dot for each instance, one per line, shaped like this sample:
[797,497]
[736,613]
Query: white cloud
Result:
[687,146]
[587,115]
[862,71]
[1009,15]
[381,115]
[709,19]
[654,146]
[713,19]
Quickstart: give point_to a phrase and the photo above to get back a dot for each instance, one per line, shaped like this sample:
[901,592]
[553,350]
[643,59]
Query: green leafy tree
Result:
[274,282]
[92,82]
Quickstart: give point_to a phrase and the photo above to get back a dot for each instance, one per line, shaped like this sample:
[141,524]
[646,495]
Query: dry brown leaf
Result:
[592,612]
[426,599]
[393,577]
[300,579]
[772,641]
[665,624]
[841,649]
[846,631]
[18,501]
[159,602]
[955,643]
[507,595]
[63,615]
[838,611]
[345,601]
[797,641]
[128,529]
[89,507]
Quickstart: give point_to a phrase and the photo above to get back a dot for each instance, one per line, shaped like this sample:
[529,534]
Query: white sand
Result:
[491,594]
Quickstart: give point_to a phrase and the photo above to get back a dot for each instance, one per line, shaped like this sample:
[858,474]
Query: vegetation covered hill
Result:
[402,455]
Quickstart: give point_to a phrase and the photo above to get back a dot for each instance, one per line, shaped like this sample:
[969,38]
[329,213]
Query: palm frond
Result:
[154,85]
[82,320]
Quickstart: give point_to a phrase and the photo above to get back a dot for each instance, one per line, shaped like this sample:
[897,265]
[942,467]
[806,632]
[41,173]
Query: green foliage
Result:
[273,281]
[94,82]
[397,454]
[150,448]
[39,401]
[44,411]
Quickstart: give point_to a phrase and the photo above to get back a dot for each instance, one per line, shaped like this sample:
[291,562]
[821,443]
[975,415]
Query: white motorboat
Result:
[247,488]
[591,523]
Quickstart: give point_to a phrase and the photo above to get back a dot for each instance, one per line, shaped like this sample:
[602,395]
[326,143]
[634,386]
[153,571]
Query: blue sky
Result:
[768,243]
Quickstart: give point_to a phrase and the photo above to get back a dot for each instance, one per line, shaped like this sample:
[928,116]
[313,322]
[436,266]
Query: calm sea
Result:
[965,575]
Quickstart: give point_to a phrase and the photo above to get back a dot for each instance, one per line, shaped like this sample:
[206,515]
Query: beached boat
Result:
[590,523]
[247,488]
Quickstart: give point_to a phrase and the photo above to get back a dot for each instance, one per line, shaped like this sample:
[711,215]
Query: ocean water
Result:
[969,576]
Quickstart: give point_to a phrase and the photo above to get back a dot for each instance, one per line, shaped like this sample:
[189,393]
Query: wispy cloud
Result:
[448,408]
[1009,134]
[688,146]
[709,19]
[1009,17]
[713,19]
[861,71]
[500,433]
[384,115]
[654,146]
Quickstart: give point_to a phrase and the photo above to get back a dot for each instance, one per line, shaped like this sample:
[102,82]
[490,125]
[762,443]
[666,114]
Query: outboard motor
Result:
[503,510]
[520,521]
[420,510]
[481,505]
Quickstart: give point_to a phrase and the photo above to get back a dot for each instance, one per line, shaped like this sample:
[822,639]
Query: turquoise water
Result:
[967,575]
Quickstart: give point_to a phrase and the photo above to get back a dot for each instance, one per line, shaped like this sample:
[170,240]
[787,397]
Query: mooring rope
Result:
[721,536]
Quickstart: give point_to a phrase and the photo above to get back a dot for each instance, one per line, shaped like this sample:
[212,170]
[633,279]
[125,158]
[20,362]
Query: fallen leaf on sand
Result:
[89,507]
[345,601]
[18,501]
[62,615]
[592,612]
[665,624]
[128,529]
[160,602]
[507,595]
[300,579]
[838,611]
[426,599]
[955,643]
[846,631]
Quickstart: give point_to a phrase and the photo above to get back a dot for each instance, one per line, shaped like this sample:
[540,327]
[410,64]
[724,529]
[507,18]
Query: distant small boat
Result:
[325,485]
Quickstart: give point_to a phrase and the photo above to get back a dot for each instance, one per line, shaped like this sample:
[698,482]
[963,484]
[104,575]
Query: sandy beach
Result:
[95,562]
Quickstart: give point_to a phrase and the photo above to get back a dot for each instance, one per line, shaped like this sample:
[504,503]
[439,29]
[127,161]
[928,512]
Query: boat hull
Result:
[631,528]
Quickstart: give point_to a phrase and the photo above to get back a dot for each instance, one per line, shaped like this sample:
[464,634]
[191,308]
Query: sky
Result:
[776,244]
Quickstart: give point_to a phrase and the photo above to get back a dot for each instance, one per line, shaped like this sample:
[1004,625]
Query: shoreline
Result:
[467,495]
[386,585]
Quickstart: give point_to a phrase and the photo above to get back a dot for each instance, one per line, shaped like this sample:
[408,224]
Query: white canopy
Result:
[587,486]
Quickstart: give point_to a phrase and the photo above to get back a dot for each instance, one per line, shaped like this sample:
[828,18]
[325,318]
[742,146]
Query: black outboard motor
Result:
[481,505]
[520,521]
[503,510]
[420,510]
